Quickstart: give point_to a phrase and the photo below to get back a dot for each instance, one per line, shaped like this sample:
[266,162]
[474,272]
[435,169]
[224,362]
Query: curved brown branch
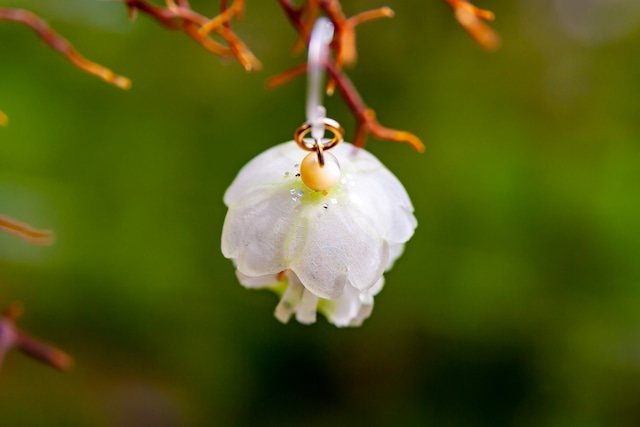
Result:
[62,45]
[179,16]
[344,43]
[366,117]
[344,48]
[25,232]
[12,337]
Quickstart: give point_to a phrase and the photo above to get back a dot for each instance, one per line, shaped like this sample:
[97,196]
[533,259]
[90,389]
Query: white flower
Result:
[321,251]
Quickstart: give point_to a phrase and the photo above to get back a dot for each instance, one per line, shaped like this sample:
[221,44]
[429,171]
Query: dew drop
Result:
[292,191]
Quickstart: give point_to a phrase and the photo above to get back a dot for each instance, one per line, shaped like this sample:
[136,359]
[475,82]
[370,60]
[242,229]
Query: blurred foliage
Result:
[515,304]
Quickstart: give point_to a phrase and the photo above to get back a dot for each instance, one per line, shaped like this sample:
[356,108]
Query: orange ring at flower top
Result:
[330,125]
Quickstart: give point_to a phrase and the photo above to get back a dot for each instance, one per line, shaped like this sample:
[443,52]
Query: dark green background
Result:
[515,304]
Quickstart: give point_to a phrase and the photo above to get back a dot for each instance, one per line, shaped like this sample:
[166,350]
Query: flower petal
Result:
[258,282]
[352,308]
[254,235]
[379,196]
[264,171]
[290,301]
[334,245]
[338,247]
[306,312]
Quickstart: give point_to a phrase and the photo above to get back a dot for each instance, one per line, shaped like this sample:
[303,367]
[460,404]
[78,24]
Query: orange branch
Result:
[223,19]
[62,45]
[367,121]
[344,48]
[285,76]
[25,232]
[471,19]
[179,16]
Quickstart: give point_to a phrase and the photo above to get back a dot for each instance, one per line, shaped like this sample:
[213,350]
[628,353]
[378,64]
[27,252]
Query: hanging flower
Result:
[320,251]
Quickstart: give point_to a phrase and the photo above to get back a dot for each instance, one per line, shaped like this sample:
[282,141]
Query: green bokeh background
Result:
[515,304]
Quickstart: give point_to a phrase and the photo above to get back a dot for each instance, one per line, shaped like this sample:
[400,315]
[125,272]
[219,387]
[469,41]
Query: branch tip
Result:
[471,19]
[12,337]
[62,45]
[180,17]
[26,232]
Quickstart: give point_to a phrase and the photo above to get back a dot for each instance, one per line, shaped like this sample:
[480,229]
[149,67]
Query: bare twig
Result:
[179,16]
[62,45]
[12,337]
[344,48]
[366,117]
[471,18]
[25,232]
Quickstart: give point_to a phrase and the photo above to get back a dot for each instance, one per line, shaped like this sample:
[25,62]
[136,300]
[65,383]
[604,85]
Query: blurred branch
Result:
[12,337]
[471,18]
[344,48]
[25,232]
[178,15]
[62,45]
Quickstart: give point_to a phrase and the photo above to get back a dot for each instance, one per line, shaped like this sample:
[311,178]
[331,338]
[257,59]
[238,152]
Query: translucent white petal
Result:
[264,171]
[334,245]
[378,196]
[363,314]
[290,301]
[376,288]
[256,232]
[338,247]
[306,312]
[343,310]
[353,307]
[395,251]
[257,282]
